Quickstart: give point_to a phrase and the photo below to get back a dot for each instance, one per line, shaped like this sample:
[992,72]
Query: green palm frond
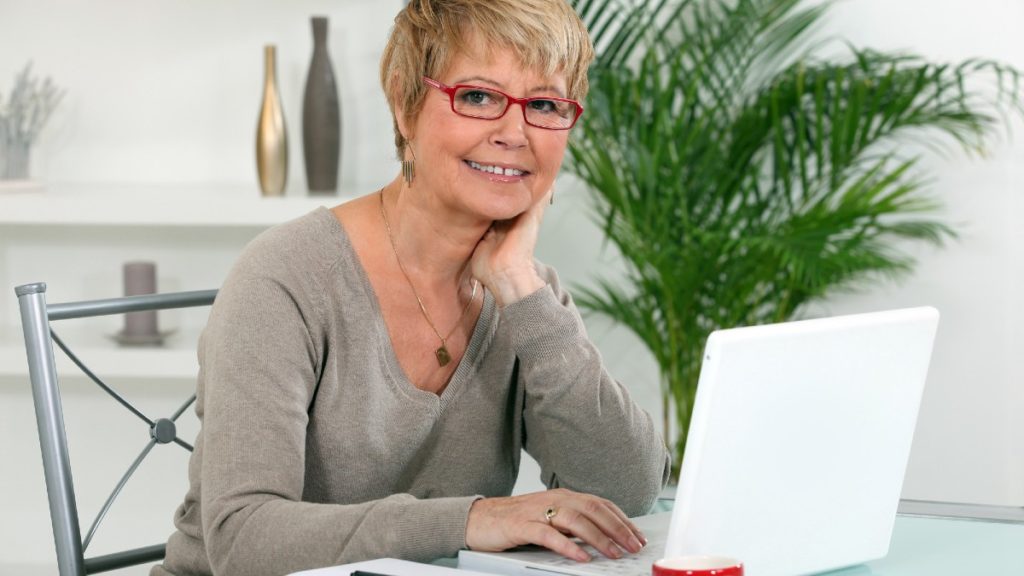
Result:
[740,176]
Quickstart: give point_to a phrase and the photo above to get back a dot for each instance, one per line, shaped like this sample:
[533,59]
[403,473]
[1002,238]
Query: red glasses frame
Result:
[510,100]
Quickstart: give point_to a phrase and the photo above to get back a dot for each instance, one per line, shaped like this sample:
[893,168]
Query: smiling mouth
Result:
[496,170]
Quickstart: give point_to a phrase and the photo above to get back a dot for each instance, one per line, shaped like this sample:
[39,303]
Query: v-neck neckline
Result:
[399,378]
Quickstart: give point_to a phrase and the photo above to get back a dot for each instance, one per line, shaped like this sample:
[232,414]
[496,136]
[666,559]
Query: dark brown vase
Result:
[321,117]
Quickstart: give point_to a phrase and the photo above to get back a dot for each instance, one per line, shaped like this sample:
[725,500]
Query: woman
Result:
[369,374]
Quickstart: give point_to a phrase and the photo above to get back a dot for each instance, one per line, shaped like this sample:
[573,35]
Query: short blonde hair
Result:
[547,35]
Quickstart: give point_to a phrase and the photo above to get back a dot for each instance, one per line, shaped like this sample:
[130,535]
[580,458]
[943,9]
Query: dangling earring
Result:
[408,171]
[409,167]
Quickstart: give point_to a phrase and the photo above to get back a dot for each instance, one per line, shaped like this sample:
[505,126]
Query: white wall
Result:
[169,91]
[162,91]
[969,444]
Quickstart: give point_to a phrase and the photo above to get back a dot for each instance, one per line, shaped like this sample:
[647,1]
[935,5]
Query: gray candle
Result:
[140,278]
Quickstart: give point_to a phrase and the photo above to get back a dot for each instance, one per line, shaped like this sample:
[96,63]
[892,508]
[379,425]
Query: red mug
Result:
[697,566]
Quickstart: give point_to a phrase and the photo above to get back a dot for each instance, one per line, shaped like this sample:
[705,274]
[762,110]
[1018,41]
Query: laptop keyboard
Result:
[638,564]
[540,562]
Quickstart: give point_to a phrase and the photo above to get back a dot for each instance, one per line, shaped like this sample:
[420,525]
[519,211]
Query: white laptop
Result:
[796,452]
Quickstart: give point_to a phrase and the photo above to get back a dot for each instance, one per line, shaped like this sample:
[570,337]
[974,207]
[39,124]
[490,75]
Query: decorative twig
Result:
[29,107]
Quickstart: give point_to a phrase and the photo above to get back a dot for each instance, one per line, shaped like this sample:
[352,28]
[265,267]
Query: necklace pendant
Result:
[443,357]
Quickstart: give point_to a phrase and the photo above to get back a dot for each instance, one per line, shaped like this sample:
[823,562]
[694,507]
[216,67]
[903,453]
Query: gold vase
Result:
[271,133]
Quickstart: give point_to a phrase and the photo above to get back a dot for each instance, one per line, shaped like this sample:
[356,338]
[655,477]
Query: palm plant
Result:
[740,176]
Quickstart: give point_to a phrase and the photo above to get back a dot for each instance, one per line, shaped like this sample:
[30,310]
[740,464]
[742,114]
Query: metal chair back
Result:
[36,316]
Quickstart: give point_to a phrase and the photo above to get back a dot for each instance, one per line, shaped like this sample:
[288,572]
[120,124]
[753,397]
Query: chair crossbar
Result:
[124,559]
[96,379]
[117,490]
[86,308]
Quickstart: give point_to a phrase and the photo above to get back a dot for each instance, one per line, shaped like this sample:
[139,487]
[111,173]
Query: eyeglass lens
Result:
[488,104]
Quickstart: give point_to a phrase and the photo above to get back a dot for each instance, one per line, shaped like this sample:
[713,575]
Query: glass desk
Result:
[940,539]
[936,539]
[945,539]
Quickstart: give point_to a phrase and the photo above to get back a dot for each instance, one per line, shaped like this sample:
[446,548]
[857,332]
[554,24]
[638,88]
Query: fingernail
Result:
[614,552]
[634,544]
[582,556]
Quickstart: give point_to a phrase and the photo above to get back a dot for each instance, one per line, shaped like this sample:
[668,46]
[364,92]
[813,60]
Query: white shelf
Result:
[195,205]
[175,360]
[101,205]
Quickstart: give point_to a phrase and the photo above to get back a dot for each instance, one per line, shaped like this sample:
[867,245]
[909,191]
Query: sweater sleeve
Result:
[259,361]
[581,425]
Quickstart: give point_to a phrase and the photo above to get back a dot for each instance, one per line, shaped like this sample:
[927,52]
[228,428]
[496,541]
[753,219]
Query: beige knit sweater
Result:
[316,450]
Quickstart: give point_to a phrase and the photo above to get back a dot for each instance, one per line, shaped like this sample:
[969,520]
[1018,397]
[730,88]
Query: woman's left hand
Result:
[503,259]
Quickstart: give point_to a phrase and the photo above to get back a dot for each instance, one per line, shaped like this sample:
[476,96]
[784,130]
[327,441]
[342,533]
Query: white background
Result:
[163,92]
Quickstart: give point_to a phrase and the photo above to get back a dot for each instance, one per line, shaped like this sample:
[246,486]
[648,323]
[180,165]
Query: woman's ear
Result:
[401,120]
[403,124]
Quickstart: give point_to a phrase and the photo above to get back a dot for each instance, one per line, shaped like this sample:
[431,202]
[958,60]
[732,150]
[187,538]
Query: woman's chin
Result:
[498,211]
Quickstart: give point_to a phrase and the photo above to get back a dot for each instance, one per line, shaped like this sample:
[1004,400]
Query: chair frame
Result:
[36,316]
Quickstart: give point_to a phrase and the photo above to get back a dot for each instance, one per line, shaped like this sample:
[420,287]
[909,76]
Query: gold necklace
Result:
[442,354]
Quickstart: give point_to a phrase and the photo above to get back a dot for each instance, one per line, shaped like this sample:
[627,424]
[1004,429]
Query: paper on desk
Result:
[391,567]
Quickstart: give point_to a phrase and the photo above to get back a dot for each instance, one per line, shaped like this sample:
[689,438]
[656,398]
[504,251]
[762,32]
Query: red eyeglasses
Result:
[490,104]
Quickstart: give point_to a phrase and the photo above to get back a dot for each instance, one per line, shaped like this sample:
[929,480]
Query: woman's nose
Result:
[510,129]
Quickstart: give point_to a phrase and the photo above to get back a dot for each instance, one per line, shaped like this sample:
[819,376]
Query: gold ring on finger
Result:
[550,513]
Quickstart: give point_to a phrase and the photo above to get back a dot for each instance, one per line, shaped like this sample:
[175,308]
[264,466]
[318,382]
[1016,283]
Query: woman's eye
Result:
[546,106]
[476,97]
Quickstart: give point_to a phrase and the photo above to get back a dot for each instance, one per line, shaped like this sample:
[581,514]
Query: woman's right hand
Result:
[497,524]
